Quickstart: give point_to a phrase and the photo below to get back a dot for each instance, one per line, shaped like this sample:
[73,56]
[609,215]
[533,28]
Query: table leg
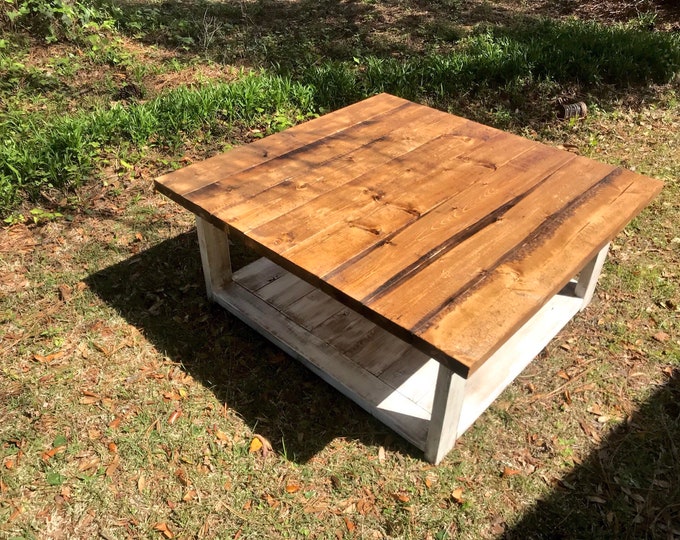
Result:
[587,280]
[214,244]
[442,433]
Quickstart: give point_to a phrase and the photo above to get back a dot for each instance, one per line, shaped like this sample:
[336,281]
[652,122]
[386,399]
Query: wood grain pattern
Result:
[445,232]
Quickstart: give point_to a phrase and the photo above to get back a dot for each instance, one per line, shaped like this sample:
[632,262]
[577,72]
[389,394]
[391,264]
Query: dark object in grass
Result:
[572,110]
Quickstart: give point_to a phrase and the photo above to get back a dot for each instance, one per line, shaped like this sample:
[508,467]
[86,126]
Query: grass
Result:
[106,333]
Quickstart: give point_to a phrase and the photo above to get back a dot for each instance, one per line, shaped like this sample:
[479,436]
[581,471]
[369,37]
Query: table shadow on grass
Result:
[160,291]
[629,488]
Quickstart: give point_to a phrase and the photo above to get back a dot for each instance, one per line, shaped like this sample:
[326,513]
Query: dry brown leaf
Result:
[141,483]
[115,423]
[174,416]
[221,435]
[508,471]
[88,400]
[661,337]
[182,476]
[292,487]
[189,495]
[595,409]
[3,487]
[65,292]
[402,497]
[88,463]
[48,358]
[596,499]
[163,527]
[53,452]
[457,496]
[17,512]
[10,464]
[113,447]
[563,375]
[111,469]
[349,524]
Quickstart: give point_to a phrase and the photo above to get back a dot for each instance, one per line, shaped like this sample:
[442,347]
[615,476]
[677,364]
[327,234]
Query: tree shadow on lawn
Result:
[160,291]
[629,488]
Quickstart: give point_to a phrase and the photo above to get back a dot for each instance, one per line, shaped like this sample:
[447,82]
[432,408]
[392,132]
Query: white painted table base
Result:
[419,398]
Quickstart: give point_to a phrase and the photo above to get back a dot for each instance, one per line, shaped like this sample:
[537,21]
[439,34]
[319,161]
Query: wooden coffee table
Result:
[415,260]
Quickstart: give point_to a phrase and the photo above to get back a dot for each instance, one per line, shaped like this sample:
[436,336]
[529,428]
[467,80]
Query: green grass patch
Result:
[564,53]
[39,154]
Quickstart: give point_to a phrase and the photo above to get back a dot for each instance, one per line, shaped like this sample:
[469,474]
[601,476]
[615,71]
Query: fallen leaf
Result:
[53,452]
[348,523]
[3,487]
[163,527]
[10,464]
[189,495]
[457,496]
[292,487]
[174,416]
[65,293]
[661,337]
[255,445]
[48,358]
[563,374]
[402,497]
[595,409]
[113,447]
[507,471]
[260,443]
[17,512]
[111,469]
[115,422]
[89,463]
[141,483]
[182,476]
[596,499]
[381,454]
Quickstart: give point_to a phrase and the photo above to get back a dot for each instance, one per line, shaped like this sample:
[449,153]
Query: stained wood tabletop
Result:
[448,233]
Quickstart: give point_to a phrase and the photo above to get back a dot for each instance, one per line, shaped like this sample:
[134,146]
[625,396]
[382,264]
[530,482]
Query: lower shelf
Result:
[383,374]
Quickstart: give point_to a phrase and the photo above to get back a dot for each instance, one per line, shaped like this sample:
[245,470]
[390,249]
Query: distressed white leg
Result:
[587,279]
[446,411]
[214,244]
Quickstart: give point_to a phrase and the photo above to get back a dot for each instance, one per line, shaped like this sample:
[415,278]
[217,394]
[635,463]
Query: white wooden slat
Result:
[335,368]
[285,290]
[587,279]
[214,245]
[258,274]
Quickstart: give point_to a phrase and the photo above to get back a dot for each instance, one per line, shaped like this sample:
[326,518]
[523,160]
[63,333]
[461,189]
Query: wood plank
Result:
[397,136]
[381,351]
[531,274]
[480,253]
[295,169]
[214,246]
[384,263]
[285,290]
[345,329]
[313,309]
[259,273]
[341,372]
[446,409]
[587,279]
[503,367]
[304,236]
[198,175]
